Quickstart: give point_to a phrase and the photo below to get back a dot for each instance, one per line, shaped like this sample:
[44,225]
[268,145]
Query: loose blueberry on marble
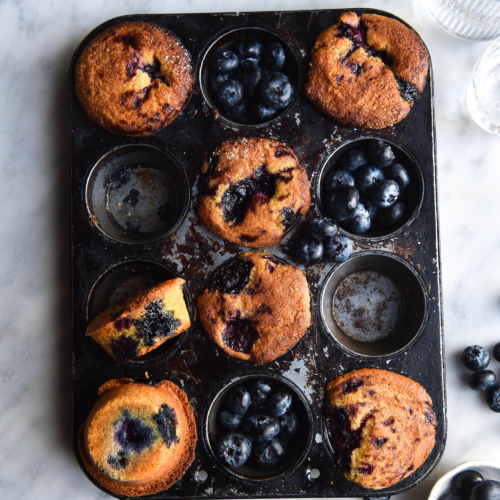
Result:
[359,222]
[260,391]
[496,352]
[279,402]
[261,428]
[230,93]
[338,178]
[321,229]
[274,56]
[308,250]
[230,421]
[393,214]
[493,398]
[380,153]
[338,249]
[234,449]
[341,202]
[225,61]
[289,424]
[475,358]
[367,178]
[267,455]
[465,481]
[238,400]
[486,490]
[398,173]
[353,159]
[480,381]
[385,193]
[276,90]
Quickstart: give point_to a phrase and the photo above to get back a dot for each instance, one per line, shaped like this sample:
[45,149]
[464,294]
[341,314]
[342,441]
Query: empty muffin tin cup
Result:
[124,280]
[228,41]
[137,194]
[374,304]
[412,196]
[297,448]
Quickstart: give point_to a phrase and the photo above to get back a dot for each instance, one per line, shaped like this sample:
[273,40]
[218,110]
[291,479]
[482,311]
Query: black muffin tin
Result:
[108,264]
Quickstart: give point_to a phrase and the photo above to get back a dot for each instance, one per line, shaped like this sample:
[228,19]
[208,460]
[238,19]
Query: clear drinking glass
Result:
[483,95]
[472,19]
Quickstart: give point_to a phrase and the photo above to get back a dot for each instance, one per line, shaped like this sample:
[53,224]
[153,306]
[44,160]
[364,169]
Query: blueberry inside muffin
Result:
[134,79]
[381,426]
[256,308]
[252,191]
[367,71]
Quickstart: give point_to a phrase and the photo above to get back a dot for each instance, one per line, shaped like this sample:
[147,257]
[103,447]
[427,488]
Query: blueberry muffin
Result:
[138,439]
[256,308]
[252,191]
[381,426]
[134,79]
[143,322]
[367,71]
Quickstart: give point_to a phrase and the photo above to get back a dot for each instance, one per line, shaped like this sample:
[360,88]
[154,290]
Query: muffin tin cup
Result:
[292,69]
[297,448]
[413,196]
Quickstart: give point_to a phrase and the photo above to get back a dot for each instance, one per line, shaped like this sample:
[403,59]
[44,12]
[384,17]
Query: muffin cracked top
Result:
[134,79]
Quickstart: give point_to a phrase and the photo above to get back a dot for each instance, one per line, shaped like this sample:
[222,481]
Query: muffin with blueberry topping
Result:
[134,79]
[380,424]
[138,439]
[367,71]
[256,308]
[143,322]
[252,191]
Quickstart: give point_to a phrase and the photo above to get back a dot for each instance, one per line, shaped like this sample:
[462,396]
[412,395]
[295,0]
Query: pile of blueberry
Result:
[320,239]
[476,359]
[367,189]
[260,423]
[470,485]
[248,81]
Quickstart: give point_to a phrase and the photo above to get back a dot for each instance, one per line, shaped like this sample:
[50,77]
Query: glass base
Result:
[478,115]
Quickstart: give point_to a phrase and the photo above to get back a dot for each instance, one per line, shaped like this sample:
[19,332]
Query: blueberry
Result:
[279,402]
[475,358]
[308,250]
[249,62]
[230,93]
[260,391]
[377,498]
[225,61]
[265,112]
[367,178]
[321,229]
[250,80]
[133,435]
[237,111]
[385,193]
[370,206]
[493,397]
[238,400]
[339,249]
[267,455]
[496,352]
[451,496]
[276,90]
[380,153]
[234,449]
[341,202]
[359,222]
[289,424]
[398,173]
[486,490]
[261,428]
[249,47]
[393,214]
[338,178]
[353,159]
[217,78]
[274,56]
[229,420]
[482,380]
[464,482]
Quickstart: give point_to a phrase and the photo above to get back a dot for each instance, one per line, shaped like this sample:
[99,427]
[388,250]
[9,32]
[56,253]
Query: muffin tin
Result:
[112,259]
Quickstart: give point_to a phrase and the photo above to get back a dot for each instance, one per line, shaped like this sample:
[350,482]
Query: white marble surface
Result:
[37,40]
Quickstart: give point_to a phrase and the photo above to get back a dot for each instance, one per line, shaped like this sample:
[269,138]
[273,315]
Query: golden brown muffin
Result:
[252,191]
[134,79]
[381,426]
[143,322]
[138,439]
[367,71]
[256,308]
